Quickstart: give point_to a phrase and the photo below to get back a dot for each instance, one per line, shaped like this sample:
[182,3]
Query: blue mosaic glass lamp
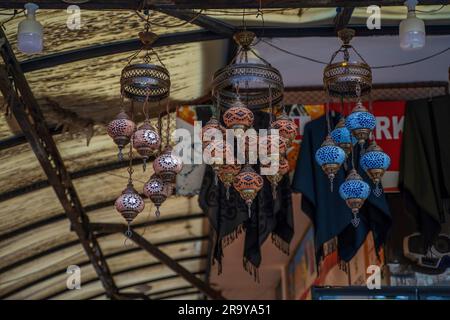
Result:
[354,191]
[375,162]
[343,137]
[360,123]
[330,157]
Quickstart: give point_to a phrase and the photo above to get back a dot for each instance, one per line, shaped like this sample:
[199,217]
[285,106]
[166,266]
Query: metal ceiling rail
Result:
[177,295]
[116,47]
[212,4]
[128,270]
[109,256]
[160,255]
[52,60]
[66,245]
[29,116]
[146,282]
[102,168]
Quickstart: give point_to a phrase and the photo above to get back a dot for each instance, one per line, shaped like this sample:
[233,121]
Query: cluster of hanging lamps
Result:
[240,88]
[351,80]
[142,82]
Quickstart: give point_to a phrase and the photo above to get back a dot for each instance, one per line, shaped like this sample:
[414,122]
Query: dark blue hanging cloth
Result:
[327,210]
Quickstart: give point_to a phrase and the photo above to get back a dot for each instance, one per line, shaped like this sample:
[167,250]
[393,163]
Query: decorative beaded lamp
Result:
[227,173]
[360,123]
[209,130]
[146,141]
[167,165]
[248,183]
[287,128]
[343,137]
[375,162]
[238,116]
[130,203]
[121,130]
[354,191]
[216,154]
[157,191]
[330,157]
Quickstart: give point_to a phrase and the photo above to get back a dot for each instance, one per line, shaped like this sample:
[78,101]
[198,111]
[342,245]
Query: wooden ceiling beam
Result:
[52,60]
[147,282]
[66,245]
[112,255]
[161,256]
[212,4]
[29,116]
[128,270]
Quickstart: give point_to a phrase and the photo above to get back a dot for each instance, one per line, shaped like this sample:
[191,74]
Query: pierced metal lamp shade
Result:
[141,80]
[253,79]
[360,123]
[347,79]
[354,191]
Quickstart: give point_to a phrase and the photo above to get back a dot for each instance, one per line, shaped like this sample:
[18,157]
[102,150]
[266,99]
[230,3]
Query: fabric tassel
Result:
[229,238]
[251,269]
[282,245]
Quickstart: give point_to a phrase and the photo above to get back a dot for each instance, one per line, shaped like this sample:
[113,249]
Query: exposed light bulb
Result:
[30,32]
[412,29]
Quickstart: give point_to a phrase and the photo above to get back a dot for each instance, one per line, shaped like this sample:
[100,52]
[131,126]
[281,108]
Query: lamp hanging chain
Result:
[130,152]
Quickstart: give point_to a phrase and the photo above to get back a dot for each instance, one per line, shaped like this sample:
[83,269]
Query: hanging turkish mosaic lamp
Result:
[375,162]
[354,191]
[121,130]
[216,154]
[286,127]
[270,142]
[129,204]
[157,191]
[248,183]
[167,165]
[283,168]
[330,157]
[146,141]
[360,123]
[343,137]
[212,127]
[238,116]
[227,173]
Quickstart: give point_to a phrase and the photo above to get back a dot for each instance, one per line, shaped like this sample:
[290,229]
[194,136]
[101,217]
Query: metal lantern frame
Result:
[341,79]
[268,82]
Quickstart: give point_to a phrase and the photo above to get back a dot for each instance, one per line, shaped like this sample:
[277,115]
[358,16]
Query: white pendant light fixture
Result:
[30,32]
[412,29]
